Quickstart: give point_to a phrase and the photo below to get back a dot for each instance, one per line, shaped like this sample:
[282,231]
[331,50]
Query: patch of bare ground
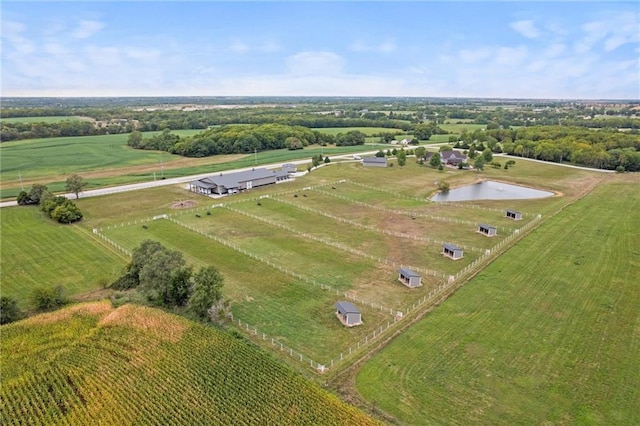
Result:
[159,324]
[185,204]
[99,309]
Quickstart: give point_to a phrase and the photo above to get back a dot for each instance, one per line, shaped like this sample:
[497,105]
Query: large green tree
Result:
[207,292]
[75,184]
[402,158]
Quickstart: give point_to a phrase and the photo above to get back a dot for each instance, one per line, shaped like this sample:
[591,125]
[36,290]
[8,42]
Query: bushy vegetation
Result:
[163,277]
[57,208]
[48,298]
[9,310]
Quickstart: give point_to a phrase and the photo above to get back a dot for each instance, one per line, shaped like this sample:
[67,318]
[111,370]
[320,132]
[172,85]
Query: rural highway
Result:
[178,180]
[185,179]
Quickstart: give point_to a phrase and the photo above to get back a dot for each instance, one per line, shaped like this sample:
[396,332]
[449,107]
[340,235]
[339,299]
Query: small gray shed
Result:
[452,251]
[374,162]
[488,230]
[348,314]
[409,278]
[512,214]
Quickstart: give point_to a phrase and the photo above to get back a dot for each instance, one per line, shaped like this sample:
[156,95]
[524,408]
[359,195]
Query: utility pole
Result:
[21,185]
[161,169]
[255,156]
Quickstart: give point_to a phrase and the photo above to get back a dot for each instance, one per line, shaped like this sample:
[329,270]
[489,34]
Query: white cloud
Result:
[87,28]
[239,47]
[525,28]
[315,63]
[614,30]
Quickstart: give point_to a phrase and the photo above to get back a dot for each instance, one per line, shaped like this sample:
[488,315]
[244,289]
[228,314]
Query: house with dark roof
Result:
[348,314]
[453,158]
[231,183]
[409,278]
[374,162]
[452,251]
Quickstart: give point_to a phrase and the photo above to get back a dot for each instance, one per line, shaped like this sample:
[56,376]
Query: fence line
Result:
[286,271]
[99,233]
[336,245]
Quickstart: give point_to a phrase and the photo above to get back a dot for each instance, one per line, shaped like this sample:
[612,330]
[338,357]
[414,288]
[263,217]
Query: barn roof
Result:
[485,226]
[233,180]
[513,211]
[346,308]
[375,160]
[408,272]
[451,247]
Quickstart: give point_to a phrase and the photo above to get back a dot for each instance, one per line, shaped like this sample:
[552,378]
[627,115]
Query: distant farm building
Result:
[452,251]
[512,214]
[409,278]
[289,168]
[231,183]
[374,162]
[453,158]
[348,314]
[488,230]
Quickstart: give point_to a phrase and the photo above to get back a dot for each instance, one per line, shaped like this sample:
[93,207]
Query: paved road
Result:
[185,179]
[178,180]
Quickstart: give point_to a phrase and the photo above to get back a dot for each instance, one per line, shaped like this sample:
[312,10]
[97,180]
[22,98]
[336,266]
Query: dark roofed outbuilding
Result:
[409,278]
[452,251]
[348,314]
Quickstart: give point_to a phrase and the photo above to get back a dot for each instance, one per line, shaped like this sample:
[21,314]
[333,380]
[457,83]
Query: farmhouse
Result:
[453,158]
[488,230]
[512,214]
[409,278]
[231,183]
[348,314]
[374,162]
[452,251]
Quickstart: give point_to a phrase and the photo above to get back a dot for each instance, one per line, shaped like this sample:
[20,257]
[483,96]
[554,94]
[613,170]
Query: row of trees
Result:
[164,278]
[10,131]
[605,148]
[58,208]
[237,139]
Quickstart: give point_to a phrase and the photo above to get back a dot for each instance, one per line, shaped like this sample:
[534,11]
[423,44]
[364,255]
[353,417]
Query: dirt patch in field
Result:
[186,204]
[159,324]
[99,309]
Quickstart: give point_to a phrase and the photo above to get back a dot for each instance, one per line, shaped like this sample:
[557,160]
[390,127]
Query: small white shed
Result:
[348,314]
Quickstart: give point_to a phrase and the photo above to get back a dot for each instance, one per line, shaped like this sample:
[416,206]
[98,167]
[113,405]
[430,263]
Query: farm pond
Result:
[490,190]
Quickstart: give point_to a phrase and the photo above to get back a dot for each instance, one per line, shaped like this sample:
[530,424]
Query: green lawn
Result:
[37,252]
[547,334]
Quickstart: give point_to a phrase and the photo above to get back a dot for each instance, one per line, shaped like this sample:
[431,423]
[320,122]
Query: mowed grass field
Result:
[95,364]
[37,252]
[547,334]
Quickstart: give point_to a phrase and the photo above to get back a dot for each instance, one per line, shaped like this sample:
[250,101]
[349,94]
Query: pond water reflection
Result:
[490,190]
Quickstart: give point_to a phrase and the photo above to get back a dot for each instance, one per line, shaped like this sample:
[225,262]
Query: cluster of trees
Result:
[43,299]
[58,208]
[604,148]
[236,139]
[11,131]
[163,277]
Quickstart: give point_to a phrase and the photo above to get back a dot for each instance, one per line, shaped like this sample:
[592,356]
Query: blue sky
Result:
[585,50]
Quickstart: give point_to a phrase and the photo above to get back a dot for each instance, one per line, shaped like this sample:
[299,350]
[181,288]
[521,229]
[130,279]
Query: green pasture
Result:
[547,334]
[37,252]
[47,120]
[459,127]
[296,313]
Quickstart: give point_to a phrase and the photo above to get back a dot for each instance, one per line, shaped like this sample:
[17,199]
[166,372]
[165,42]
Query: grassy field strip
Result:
[339,246]
[402,212]
[53,255]
[268,299]
[426,240]
[529,340]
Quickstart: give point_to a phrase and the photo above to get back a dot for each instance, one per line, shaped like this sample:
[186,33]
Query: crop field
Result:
[137,365]
[548,333]
[288,255]
[36,252]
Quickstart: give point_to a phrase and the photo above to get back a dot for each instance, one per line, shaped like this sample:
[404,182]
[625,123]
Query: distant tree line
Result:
[10,131]
[235,139]
[604,148]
